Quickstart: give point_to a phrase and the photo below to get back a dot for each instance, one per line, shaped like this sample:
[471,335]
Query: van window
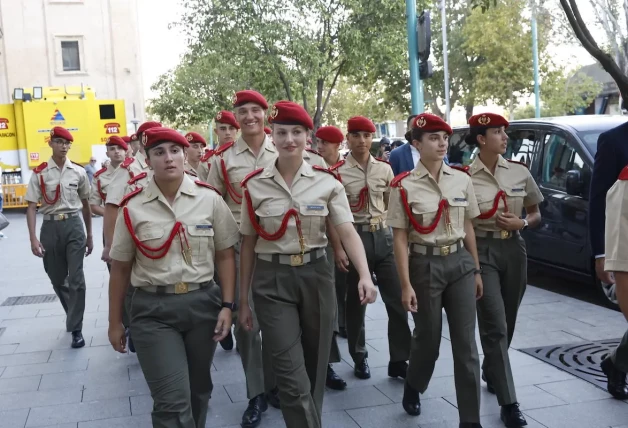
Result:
[559,158]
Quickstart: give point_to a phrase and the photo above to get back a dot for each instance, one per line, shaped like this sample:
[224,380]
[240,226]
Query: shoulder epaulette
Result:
[190,173]
[127,163]
[338,165]
[128,196]
[137,178]
[396,182]
[207,156]
[77,164]
[464,169]
[312,151]
[623,175]
[209,186]
[520,163]
[100,171]
[41,167]
[382,160]
[320,168]
[220,150]
[249,176]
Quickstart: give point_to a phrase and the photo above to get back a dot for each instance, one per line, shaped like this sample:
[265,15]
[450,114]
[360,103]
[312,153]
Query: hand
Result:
[408,299]
[509,221]
[245,316]
[342,261]
[90,245]
[606,277]
[37,249]
[117,337]
[105,255]
[479,286]
[223,326]
[367,291]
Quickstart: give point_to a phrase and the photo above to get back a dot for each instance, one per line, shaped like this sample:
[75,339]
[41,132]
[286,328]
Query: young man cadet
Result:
[194,153]
[226,130]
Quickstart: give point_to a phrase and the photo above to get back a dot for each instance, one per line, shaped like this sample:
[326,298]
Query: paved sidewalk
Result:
[44,383]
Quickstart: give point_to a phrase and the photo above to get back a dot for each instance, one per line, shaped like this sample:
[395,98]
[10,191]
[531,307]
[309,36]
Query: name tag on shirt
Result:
[518,189]
[315,207]
[460,199]
[204,226]
[73,185]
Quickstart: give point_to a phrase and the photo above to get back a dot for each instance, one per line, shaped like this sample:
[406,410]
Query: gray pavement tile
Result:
[231,414]
[8,349]
[13,418]
[537,374]
[85,378]
[45,368]
[96,355]
[338,420]
[26,358]
[219,396]
[592,414]
[19,384]
[51,397]
[393,415]
[488,421]
[2,370]
[81,412]
[369,396]
[236,392]
[575,391]
[129,388]
[141,421]
[49,343]
[68,425]
[141,405]
[52,312]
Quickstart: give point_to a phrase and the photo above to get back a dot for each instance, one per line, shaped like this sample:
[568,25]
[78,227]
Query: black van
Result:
[559,152]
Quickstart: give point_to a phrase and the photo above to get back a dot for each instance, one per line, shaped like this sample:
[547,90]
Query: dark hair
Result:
[472,137]
[397,143]
[410,118]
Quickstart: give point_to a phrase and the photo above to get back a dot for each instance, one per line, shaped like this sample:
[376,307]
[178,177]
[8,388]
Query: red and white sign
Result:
[34,157]
[4,124]
[112,128]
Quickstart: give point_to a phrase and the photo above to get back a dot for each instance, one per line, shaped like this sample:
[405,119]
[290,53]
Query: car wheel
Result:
[608,294]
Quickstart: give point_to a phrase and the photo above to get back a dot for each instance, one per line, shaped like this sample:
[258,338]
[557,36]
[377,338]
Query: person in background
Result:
[406,156]
[90,169]
[226,130]
[134,144]
[194,153]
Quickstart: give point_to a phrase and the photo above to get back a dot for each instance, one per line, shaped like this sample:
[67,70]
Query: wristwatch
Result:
[229,305]
[525,224]
[477,271]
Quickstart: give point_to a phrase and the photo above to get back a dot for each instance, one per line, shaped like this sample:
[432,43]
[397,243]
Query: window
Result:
[107,111]
[559,158]
[70,55]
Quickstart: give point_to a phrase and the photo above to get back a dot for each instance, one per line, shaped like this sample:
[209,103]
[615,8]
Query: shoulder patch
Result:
[100,171]
[77,164]
[41,167]
[127,163]
[207,156]
[338,165]
[313,151]
[249,176]
[128,196]
[209,186]
[320,168]
[520,163]
[220,150]
[382,160]
[396,182]
[137,178]
[190,173]
[464,169]
[624,174]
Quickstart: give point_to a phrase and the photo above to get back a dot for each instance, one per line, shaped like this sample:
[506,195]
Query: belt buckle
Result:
[505,234]
[61,216]
[180,288]
[372,228]
[296,260]
[444,251]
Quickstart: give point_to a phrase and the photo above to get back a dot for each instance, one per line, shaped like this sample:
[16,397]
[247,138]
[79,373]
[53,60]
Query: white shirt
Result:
[415,155]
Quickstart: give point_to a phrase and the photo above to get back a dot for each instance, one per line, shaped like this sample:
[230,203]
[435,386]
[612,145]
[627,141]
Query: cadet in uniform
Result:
[366,181]
[615,366]
[503,189]
[194,153]
[287,205]
[63,189]
[167,238]
[116,152]
[430,211]
[226,130]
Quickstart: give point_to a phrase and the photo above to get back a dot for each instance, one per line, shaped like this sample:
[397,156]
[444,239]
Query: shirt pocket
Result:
[152,237]
[313,219]
[457,209]
[70,191]
[201,237]
[270,216]
[515,196]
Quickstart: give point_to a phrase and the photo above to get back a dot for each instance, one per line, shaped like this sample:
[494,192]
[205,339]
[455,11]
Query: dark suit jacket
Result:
[611,157]
[401,159]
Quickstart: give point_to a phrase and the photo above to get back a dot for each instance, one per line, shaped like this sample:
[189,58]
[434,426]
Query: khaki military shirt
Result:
[376,178]
[208,225]
[514,179]
[118,187]
[74,187]
[100,184]
[616,235]
[314,158]
[424,194]
[190,170]
[203,169]
[314,194]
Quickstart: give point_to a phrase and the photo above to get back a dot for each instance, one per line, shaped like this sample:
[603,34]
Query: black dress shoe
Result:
[512,417]
[342,332]
[489,386]
[272,398]
[227,342]
[362,370]
[252,416]
[397,369]
[616,379]
[129,340]
[470,425]
[77,339]
[334,381]
[411,400]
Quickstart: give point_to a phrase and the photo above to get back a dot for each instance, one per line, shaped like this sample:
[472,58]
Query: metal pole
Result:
[535,63]
[211,134]
[445,58]
[416,86]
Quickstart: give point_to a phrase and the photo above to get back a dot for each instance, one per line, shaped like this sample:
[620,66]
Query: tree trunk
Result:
[469,109]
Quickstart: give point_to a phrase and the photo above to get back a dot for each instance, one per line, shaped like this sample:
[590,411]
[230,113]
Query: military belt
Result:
[429,250]
[59,217]
[294,259]
[502,234]
[178,288]
[373,227]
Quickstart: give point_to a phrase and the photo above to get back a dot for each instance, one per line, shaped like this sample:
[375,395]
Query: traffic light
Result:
[425,70]
[424,36]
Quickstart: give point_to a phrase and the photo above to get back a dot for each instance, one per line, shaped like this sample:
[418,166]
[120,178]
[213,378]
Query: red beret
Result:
[488,120]
[60,132]
[289,113]
[360,124]
[147,125]
[134,137]
[267,130]
[194,137]
[127,139]
[114,140]
[248,96]
[428,122]
[157,135]
[330,134]
[227,118]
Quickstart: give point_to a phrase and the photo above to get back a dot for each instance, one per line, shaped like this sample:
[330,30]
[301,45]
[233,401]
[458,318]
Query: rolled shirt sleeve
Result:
[226,233]
[123,247]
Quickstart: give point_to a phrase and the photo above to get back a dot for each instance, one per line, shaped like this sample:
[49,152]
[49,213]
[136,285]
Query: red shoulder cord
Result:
[163,249]
[237,198]
[102,195]
[362,201]
[490,213]
[42,185]
[282,229]
[443,205]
